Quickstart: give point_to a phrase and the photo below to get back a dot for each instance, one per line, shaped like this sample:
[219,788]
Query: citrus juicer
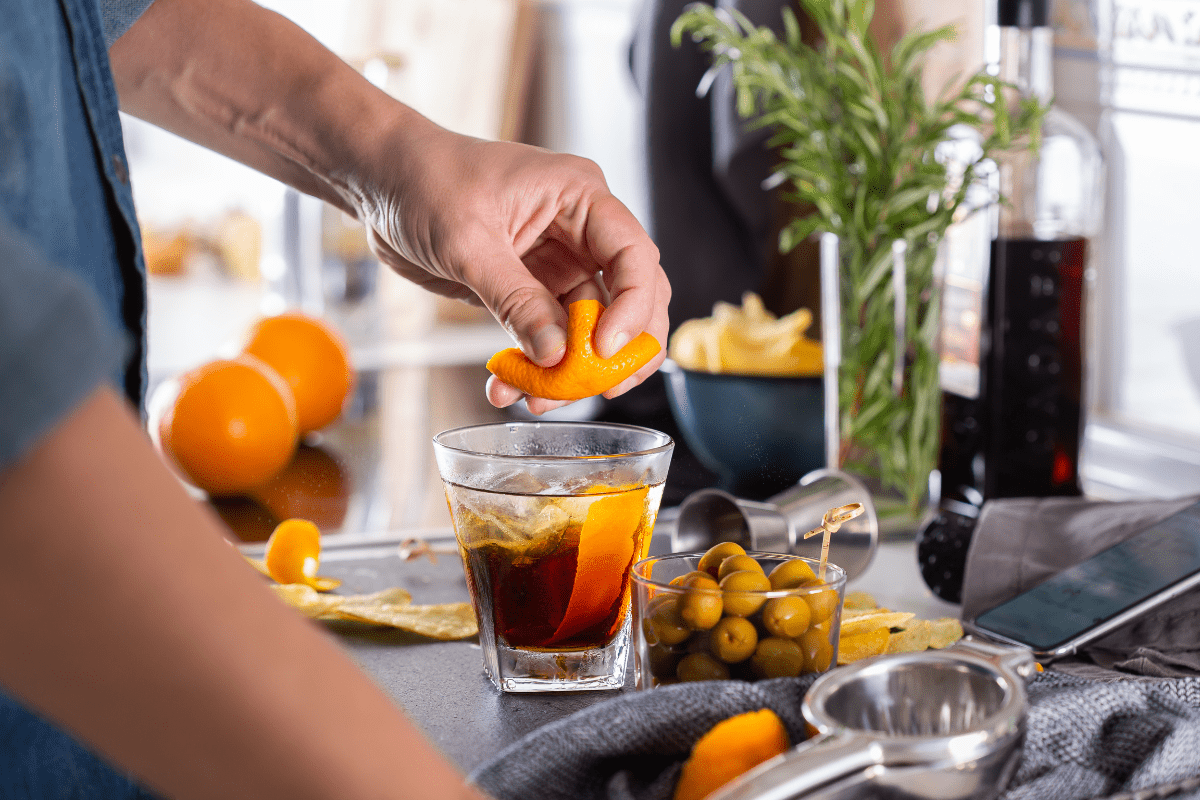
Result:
[937,725]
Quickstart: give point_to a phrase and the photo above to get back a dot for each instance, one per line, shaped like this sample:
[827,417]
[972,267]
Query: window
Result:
[1130,69]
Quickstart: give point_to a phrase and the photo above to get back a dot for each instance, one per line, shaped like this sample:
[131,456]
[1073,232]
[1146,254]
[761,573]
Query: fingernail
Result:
[616,342]
[548,341]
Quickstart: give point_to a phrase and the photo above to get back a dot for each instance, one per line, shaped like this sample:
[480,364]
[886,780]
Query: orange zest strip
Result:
[581,372]
[293,554]
[606,550]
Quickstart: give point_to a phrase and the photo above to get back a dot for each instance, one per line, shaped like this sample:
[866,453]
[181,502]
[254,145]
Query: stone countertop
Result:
[441,685]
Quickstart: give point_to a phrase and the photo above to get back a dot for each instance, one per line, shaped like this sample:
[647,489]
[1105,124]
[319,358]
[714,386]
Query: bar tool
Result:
[939,724]
[778,525]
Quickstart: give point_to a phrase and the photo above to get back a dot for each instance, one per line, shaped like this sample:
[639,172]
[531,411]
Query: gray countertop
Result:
[441,685]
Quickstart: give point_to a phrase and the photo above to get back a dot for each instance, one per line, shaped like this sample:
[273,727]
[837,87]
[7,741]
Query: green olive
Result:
[701,606]
[693,574]
[733,639]
[817,649]
[777,658]
[710,562]
[701,667]
[663,624]
[791,573]
[822,604]
[743,592]
[786,616]
[663,661]
[737,564]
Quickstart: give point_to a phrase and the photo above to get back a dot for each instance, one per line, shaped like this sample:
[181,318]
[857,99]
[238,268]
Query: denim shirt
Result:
[64,180]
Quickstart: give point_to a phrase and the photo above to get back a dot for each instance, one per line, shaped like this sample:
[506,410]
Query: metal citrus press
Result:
[939,724]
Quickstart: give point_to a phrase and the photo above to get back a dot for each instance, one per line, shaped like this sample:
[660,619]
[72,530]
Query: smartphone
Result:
[1112,588]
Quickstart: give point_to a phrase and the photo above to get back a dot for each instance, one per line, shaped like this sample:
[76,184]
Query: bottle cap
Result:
[1022,13]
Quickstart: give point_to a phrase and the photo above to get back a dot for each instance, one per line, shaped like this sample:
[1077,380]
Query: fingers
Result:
[523,305]
[501,395]
[635,280]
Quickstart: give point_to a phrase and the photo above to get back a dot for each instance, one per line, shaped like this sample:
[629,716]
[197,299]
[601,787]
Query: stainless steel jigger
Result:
[709,516]
[940,724]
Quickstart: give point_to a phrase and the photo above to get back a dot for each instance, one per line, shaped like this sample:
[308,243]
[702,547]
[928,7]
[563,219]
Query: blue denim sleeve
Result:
[56,346]
[119,16]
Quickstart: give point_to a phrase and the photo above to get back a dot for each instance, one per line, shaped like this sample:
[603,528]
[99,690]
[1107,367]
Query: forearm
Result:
[248,83]
[141,629]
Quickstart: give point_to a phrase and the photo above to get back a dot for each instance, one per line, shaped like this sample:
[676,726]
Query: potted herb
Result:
[858,143]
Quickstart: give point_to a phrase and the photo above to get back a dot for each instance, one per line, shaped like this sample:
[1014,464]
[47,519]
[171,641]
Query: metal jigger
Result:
[778,524]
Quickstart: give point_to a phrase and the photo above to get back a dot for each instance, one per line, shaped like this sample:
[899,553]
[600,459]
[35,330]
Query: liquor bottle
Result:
[1013,425]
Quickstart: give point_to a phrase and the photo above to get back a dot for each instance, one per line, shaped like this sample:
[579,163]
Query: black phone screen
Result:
[1088,594]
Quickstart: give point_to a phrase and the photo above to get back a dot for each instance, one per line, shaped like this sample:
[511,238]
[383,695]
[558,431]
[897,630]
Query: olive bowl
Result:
[687,629]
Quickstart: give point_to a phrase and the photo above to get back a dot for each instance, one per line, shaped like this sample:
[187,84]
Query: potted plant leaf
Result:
[858,143]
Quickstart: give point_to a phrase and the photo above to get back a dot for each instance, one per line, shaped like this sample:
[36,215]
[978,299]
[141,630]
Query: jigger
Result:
[778,525]
[937,725]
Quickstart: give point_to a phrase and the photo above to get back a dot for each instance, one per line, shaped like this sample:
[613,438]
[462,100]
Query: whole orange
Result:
[311,356]
[232,426]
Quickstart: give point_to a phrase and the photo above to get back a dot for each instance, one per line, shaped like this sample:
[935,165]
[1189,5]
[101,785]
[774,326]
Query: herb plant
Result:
[858,143]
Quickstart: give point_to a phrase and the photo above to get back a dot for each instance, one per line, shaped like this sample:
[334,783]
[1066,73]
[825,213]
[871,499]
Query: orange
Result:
[231,427]
[311,356]
[581,372]
[731,747]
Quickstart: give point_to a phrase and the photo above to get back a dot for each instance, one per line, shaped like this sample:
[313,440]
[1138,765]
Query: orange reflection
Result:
[246,519]
[315,486]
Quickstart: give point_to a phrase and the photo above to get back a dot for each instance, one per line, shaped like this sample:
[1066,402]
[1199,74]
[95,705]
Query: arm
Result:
[520,229]
[167,652]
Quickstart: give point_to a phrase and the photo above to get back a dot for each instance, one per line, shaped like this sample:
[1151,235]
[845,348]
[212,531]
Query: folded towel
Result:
[1086,738]
[1019,543]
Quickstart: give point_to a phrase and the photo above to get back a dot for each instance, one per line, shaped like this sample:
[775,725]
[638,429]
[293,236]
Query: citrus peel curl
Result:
[581,372]
[293,553]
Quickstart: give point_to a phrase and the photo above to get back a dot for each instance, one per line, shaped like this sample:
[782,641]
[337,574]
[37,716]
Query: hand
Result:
[524,232]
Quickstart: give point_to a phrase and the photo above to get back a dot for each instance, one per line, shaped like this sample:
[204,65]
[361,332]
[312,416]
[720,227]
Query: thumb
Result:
[525,307]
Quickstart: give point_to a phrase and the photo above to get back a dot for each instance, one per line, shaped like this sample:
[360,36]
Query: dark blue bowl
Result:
[759,434]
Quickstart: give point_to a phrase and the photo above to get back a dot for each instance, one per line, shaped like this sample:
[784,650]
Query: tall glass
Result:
[550,518]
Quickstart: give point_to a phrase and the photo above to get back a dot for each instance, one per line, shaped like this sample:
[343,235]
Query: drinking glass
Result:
[550,518]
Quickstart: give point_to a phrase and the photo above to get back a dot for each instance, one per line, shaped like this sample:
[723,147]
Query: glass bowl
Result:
[693,631]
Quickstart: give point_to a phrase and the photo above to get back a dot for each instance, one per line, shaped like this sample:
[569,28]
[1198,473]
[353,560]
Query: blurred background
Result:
[598,78]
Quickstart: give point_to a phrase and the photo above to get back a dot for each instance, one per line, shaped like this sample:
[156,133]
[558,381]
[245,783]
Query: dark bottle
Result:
[1013,399]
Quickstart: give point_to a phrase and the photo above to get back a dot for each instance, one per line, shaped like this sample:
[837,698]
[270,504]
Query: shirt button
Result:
[119,170]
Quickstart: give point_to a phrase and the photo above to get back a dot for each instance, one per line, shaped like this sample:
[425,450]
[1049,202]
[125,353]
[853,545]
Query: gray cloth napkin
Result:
[1086,739]
[1021,542]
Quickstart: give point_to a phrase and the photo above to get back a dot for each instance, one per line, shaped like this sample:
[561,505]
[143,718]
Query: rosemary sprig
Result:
[858,143]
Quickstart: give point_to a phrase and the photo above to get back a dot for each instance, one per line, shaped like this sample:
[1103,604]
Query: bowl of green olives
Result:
[727,614]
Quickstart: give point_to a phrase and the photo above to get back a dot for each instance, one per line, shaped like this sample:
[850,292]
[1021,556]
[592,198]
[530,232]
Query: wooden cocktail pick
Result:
[834,519]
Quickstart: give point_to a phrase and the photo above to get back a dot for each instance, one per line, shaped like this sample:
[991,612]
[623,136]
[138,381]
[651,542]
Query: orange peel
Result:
[730,748]
[581,372]
[293,554]
[607,547]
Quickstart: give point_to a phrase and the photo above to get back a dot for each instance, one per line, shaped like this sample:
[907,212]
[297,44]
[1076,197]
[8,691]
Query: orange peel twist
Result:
[581,372]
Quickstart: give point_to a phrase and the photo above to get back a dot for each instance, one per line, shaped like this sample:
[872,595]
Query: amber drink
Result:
[550,518]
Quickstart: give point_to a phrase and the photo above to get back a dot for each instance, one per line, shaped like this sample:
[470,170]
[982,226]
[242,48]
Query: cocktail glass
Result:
[550,518]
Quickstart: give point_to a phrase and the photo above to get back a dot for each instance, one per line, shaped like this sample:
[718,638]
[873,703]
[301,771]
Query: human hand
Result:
[524,232]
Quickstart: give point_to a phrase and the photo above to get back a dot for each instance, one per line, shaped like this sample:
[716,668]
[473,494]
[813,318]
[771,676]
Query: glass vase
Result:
[880,311]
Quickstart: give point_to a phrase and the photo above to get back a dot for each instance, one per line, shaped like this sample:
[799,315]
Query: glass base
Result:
[591,669]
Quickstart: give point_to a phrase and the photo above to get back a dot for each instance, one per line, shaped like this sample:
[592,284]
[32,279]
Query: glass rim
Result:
[636,574]
[664,447]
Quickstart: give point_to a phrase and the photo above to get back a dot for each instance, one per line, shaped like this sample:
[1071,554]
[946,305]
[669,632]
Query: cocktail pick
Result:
[834,519]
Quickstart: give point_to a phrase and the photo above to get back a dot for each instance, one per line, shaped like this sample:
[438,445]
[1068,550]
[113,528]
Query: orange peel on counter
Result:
[293,554]
[581,372]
